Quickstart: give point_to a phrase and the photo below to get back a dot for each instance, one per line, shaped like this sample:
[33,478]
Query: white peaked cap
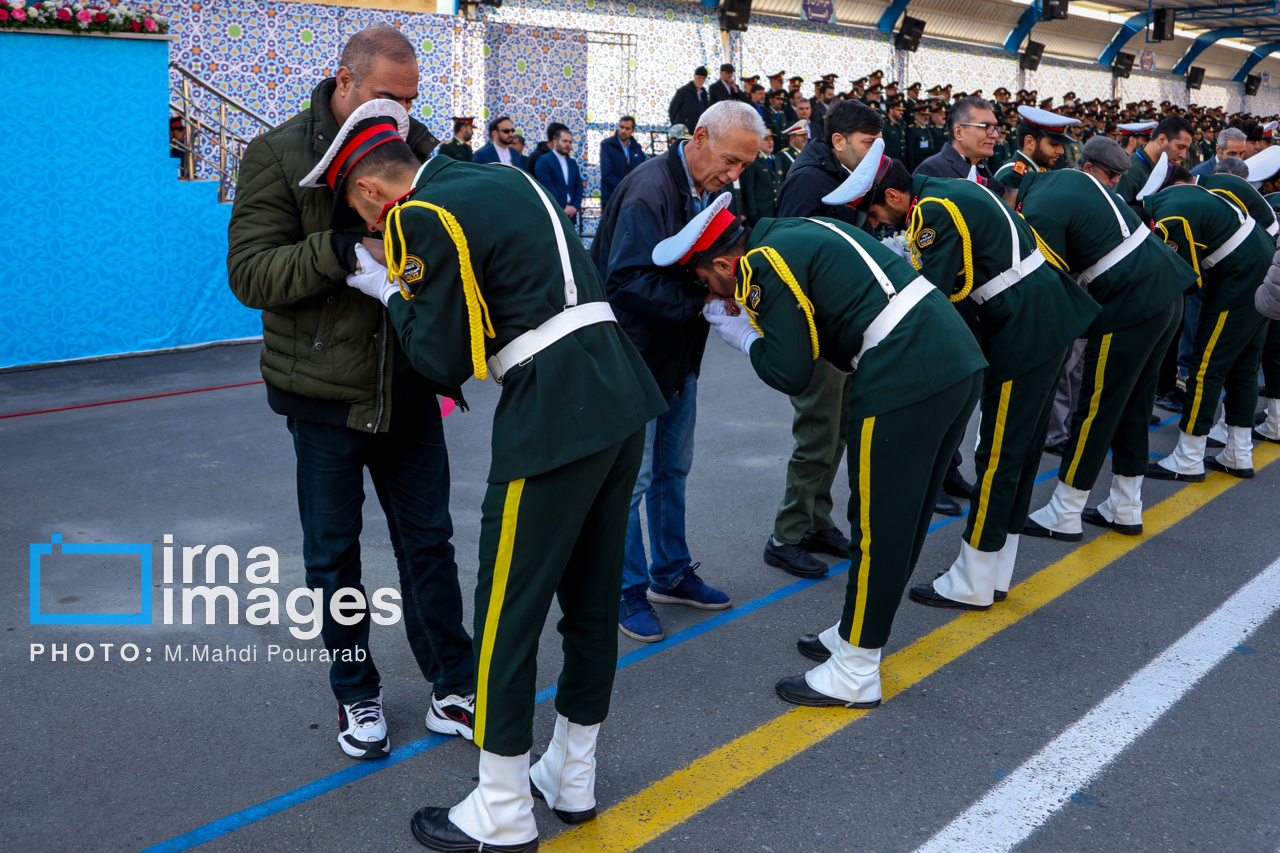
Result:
[1264,165]
[800,126]
[377,108]
[860,179]
[1157,179]
[1137,126]
[673,249]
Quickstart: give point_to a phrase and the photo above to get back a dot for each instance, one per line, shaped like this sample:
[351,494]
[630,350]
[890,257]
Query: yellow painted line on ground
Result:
[669,802]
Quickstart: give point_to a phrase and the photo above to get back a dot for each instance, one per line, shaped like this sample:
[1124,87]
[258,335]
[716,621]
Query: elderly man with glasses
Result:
[972,131]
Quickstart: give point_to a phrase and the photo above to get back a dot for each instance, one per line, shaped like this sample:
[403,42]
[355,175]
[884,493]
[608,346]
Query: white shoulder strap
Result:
[1124,226]
[1013,229]
[876,271]
[570,289]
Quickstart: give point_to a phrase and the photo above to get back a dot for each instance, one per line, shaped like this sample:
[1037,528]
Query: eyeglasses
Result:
[506,130]
[988,129]
[1113,176]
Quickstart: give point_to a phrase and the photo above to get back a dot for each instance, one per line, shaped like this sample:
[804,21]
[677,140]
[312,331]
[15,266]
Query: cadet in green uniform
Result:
[1039,139]
[1171,137]
[1230,254]
[517,296]
[920,144]
[1139,282]
[760,182]
[1026,313]
[459,148]
[820,287]
[895,131]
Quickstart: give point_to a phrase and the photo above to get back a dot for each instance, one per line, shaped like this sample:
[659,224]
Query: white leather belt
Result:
[892,314]
[1115,256]
[1008,278]
[524,348]
[1230,246]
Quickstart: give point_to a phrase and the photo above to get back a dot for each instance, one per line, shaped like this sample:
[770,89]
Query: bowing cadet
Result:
[1139,282]
[821,287]
[515,296]
[1040,138]
[1026,313]
[1230,254]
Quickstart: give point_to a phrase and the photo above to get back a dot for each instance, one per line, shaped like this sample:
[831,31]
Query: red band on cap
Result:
[355,148]
[719,224]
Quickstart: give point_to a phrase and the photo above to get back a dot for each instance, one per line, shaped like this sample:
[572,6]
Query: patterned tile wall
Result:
[772,44]
[1056,77]
[965,67]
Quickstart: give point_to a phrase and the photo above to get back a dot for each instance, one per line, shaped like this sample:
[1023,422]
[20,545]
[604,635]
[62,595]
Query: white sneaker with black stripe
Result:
[453,715]
[362,729]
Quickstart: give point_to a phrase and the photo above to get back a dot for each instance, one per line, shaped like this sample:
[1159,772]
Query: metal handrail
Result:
[199,122]
[221,95]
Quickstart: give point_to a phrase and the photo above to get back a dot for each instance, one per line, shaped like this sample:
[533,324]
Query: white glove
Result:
[370,277]
[734,331]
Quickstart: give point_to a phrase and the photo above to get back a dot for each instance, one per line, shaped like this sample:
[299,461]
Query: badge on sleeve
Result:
[925,238]
[1020,168]
[753,297]
[413,269]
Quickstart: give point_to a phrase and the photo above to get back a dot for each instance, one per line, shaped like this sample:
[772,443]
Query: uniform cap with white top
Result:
[1264,166]
[371,124]
[861,181]
[799,127]
[1159,174]
[1050,124]
[700,234]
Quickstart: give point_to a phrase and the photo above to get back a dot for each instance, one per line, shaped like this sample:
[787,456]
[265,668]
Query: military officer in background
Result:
[920,142]
[1139,282]
[1135,134]
[895,130]
[1170,138]
[1039,139]
[797,138]
[760,182]
[459,148]
[938,125]
[516,296]
[1230,254]
[819,287]
[1025,313]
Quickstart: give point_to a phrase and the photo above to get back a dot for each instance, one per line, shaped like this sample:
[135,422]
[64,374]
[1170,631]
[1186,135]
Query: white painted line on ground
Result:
[1029,796]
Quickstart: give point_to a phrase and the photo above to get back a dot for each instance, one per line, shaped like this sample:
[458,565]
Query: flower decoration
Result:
[80,17]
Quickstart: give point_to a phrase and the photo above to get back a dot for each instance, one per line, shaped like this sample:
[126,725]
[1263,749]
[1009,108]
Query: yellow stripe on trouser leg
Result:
[993,462]
[864,522]
[1204,366]
[501,569]
[1094,401]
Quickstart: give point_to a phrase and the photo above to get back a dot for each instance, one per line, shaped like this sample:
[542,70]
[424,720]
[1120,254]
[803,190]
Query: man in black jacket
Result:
[804,525]
[690,100]
[661,311]
[726,88]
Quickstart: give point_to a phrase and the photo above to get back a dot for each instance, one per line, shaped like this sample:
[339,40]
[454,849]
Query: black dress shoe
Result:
[1155,419]
[1174,401]
[812,648]
[1056,449]
[957,487]
[925,594]
[1097,519]
[946,506]
[1257,436]
[830,541]
[1000,595]
[1260,416]
[1213,464]
[798,692]
[565,817]
[1213,444]
[433,829]
[1035,528]
[793,560]
[1156,471]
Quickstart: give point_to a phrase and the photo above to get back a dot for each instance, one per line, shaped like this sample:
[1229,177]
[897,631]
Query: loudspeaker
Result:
[1122,65]
[1251,84]
[909,34]
[1030,59]
[1053,10]
[1195,76]
[734,15]
[1162,26]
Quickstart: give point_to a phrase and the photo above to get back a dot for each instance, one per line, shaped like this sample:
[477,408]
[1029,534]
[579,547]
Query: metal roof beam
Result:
[1260,53]
[1222,13]
[1128,30]
[1202,43]
[890,17]
[1028,20]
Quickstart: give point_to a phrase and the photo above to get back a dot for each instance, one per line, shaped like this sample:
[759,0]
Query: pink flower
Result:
[19,14]
[150,24]
[84,15]
[64,15]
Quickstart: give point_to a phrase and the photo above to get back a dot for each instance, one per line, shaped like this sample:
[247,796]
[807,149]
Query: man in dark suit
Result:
[558,172]
[726,88]
[619,154]
[690,100]
[502,131]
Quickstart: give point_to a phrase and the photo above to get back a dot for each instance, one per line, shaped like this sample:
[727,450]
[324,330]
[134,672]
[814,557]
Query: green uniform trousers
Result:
[1227,351]
[1117,391]
[896,464]
[1271,360]
[1015,420]
[557,534]
[821,419]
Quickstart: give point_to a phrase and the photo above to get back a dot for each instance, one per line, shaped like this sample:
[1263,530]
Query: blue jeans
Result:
[1190,324]
[410,472]
[664,468]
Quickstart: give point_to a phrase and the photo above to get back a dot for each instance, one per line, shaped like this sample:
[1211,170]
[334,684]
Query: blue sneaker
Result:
[691,591]
[636,618]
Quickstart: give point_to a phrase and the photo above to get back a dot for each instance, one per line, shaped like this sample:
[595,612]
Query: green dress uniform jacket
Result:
[1135,179]
[939,134]
[812,295]
[960,239]
[920,145]
[785,158]
[477,287]
[895,140]
[1242,194]
[1075,217]
[760,183]
[1011,173]
[456,149]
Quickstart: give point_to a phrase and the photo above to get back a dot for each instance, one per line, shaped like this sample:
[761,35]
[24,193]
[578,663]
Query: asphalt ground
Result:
[166,755]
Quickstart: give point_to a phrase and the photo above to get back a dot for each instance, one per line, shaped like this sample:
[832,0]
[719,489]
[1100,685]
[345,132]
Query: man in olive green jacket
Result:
[352,401]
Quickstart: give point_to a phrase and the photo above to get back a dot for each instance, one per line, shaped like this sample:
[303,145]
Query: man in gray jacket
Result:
[351,399]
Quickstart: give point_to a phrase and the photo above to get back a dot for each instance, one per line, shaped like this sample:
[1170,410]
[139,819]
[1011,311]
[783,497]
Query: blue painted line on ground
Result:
[324,785]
